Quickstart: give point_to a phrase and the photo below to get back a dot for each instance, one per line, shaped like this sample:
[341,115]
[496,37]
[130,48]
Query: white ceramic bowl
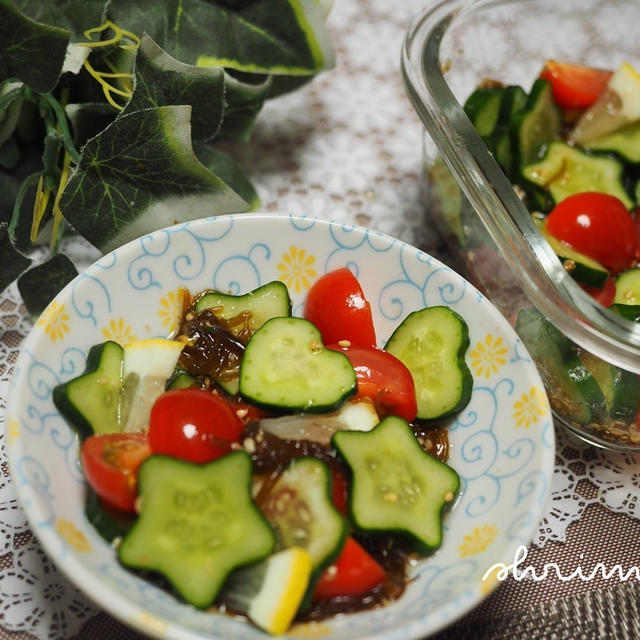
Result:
[502,444]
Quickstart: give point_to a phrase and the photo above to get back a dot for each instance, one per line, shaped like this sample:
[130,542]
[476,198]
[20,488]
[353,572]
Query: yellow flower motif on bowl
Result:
[488,356]
[296,269]
[478,540]
[74,537]
[151,622]
[530,408]
[13,431]
[307,630]
[55,320]
[118,331]
[172,306]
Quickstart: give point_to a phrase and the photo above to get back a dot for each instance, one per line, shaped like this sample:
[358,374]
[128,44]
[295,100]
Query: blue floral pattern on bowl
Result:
[502,444]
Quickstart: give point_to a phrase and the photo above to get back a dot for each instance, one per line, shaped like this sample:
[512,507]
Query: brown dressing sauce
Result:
[271,455]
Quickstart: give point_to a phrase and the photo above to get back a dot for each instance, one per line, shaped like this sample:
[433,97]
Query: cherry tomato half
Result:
[636,224]
[598,225]
[384,379]
[574,86]
[339,490]
[337,307]
[110,463]
[245,411]
[192,424]
[353,573]
[605,295]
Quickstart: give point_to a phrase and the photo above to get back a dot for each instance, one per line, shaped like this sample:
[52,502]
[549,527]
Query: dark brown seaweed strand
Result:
[210,347]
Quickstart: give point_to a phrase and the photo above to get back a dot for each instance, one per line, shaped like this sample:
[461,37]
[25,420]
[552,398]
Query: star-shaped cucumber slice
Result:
[397,487]
[197,523]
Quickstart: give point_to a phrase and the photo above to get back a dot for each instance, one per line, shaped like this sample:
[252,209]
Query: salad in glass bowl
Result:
[530,178]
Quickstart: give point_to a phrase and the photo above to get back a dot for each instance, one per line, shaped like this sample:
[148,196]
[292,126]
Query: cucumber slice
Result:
[246,313]
[268,301]
[432,344]
[628,287]
[621,388]
[197,524]
[300,507]
[581,268]
[628,311]
[491,110]
[536,124]
[182,380]
[483,109]
[573,391]
[565,170]
[625,142]
[501,142]
[396,486]
[91,402]
[109,522]
[287,368]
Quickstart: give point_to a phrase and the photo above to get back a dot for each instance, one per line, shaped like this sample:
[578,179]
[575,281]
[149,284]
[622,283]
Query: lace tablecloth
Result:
[346,147]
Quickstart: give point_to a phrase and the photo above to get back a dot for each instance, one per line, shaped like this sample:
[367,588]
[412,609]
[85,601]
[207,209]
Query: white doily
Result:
[347,147]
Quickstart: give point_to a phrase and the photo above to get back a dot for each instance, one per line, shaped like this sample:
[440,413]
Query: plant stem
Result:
[61,120]
[15,217]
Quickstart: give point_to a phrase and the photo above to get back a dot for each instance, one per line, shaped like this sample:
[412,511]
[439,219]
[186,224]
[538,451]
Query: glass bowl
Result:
[449,49]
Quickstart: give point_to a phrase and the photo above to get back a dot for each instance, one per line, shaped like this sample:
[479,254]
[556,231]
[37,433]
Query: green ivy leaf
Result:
[262,36]
[88,119]
[30,51]
[141,174]
[9,154]
[244,100]
[12,262]
[223,165]
[75,16]
[11,101]
[40,285]
[161,80]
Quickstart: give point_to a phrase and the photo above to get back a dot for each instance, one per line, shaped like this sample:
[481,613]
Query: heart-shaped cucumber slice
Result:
[286,367]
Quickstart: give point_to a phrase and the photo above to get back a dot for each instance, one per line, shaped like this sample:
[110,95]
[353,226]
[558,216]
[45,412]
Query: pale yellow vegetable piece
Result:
[147,366]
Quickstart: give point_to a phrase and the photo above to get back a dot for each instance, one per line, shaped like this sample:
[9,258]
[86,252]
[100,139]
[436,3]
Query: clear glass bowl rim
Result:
[545,282]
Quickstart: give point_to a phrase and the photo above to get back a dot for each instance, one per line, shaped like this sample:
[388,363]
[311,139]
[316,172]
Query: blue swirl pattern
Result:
[505,466]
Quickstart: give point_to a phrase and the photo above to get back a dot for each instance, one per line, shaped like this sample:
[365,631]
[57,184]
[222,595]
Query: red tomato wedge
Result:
[384,379]
[111,462]
[598,225]
[574,86]
[353,573]
[245,411]
[636,224]
[193,424]
[605,295]
[339,490]
[337,307]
